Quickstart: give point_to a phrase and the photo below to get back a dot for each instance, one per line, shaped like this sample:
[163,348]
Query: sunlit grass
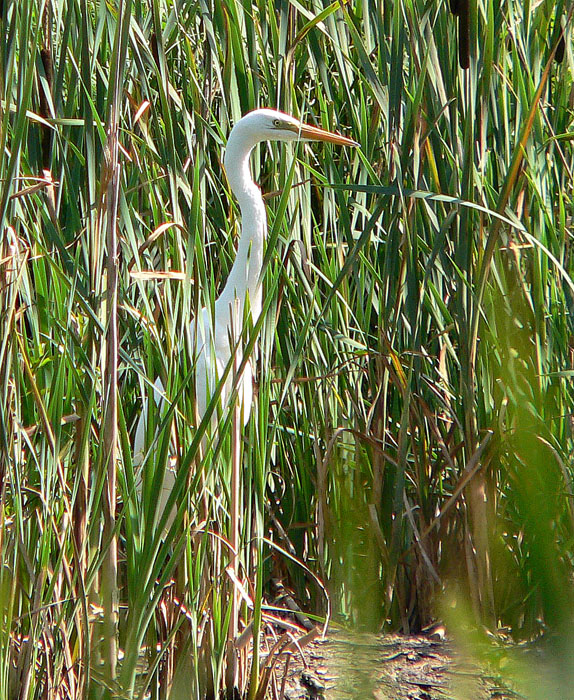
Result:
[413,417]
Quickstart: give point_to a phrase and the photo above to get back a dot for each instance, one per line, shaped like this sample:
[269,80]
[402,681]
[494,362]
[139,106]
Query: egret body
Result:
[215,337]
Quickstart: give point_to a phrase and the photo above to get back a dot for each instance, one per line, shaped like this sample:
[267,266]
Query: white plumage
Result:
[216,337]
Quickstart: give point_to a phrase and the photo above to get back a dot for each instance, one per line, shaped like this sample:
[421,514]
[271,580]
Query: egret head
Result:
[271,125]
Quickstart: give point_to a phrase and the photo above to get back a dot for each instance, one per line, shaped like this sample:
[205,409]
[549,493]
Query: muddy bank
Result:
[391,667]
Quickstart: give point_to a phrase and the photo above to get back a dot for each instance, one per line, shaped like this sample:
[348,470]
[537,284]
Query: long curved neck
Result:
[245,275]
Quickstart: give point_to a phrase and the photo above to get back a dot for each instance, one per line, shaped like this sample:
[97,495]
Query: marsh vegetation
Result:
[409,455]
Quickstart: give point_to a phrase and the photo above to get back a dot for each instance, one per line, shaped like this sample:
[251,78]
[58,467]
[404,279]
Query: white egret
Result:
[216,336]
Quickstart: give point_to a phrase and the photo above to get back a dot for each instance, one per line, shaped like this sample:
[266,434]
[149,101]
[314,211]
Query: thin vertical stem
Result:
[111,183]
[234,535]
[110,432]
[235,485]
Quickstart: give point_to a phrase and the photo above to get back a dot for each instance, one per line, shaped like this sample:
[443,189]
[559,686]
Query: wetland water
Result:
[391,667]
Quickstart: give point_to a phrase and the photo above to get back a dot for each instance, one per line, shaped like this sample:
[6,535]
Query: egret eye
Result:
[276,122]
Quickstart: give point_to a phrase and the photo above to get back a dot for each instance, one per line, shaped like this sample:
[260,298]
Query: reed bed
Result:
[409,451]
